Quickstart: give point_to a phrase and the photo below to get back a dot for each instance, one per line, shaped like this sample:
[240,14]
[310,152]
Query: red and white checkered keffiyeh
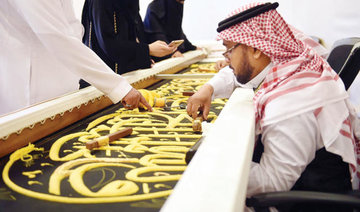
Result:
[300,81]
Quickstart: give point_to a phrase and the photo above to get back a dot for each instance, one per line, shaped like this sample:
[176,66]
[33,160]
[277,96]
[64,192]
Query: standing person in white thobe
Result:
[42,56]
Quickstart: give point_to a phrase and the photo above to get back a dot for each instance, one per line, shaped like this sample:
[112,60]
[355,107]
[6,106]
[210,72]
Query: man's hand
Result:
[133,99]
[221,64]
[160,49]
[201,100]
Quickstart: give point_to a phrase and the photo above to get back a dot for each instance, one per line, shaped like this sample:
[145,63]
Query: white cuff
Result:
[119,92]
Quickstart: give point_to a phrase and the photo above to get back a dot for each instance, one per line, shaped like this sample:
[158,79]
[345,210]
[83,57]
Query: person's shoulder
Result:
[157,8]
[101,3]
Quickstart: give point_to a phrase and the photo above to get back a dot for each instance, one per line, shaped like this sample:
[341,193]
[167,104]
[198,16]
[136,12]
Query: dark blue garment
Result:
[114,31]
[163,21]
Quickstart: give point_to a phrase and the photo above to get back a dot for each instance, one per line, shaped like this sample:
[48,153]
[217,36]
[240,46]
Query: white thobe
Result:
[289,145]
[42,55]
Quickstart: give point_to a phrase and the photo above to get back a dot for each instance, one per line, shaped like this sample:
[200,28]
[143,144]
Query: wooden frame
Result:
[31,124]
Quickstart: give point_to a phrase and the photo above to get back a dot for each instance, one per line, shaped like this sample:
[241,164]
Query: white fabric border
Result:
[17,121]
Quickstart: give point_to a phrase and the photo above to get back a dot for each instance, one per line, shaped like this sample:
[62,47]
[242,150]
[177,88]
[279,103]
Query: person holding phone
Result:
[114,30]
[163,21]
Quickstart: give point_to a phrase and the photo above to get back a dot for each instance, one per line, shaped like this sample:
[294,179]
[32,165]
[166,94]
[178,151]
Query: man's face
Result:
[238,60]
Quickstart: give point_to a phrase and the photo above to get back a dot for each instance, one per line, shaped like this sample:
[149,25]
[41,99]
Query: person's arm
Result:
[154,28]
[220,64]
[220,86]
[112,36]
[200,101]
[187,45]
[289,146]
[224,83]
[48,23]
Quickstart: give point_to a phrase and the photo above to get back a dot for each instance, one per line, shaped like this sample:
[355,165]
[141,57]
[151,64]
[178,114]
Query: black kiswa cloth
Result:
[246,15]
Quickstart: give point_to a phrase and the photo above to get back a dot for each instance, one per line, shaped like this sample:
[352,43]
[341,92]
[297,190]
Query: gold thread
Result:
[90,28]
[258,87]
[103,140]
[164,163]
[115,27]
[115,31]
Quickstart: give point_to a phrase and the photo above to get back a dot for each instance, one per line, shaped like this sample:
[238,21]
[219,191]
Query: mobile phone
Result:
[176,43]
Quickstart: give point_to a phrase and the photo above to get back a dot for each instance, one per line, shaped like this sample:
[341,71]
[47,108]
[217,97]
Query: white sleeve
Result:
[46,19]
[289,146]
[223,83]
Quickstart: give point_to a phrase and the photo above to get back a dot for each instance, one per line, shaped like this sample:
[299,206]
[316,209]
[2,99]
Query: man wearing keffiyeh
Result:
[306,130]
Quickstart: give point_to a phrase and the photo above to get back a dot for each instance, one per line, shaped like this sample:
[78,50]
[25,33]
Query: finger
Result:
[162,42]
[217,67]
[145,103]
[126,105]
[130,103]
[141,105]
[194,111]
[206,112]
[172,48]
[135,105]
[188,107]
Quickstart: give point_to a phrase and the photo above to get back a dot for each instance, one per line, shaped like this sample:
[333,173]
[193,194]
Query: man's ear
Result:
[256,53]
